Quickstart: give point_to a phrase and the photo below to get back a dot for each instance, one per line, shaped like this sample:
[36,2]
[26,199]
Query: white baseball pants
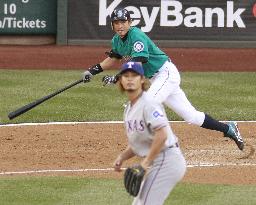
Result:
[165,88]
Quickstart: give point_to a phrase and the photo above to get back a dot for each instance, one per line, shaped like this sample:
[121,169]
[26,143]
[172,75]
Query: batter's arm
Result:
[109,63]
[156,147]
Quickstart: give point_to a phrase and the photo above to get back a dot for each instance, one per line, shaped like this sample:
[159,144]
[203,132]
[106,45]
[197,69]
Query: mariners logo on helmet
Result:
[120,14]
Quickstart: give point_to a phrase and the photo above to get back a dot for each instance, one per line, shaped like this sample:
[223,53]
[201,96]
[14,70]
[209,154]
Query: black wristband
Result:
[95,69]
[112,54]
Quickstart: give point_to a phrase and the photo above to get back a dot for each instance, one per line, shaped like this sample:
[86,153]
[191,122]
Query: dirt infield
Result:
[95,146]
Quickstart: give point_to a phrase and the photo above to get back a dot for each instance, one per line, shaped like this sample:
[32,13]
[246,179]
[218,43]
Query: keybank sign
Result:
[173,14]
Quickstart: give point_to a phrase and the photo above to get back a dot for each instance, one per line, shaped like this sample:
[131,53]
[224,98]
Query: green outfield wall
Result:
[28,17]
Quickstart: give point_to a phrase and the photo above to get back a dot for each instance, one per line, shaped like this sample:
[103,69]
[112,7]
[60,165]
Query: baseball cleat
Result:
[234,134]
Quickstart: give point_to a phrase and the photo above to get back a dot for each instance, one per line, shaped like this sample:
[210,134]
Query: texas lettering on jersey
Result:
[135,126]
[139,125]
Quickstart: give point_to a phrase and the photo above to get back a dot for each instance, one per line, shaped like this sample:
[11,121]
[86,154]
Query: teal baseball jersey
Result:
[138,44]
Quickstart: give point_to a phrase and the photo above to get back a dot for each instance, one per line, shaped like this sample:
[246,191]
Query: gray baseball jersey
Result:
[141,120]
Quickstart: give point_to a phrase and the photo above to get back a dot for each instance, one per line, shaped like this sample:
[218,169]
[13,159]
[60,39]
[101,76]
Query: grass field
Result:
[83,191]
[225,96]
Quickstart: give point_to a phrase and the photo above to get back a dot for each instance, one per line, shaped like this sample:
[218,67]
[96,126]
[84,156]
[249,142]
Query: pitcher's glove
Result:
[133,177]
[107,80]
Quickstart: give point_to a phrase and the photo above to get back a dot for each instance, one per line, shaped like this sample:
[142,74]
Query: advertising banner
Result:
[28,17]
[216,20]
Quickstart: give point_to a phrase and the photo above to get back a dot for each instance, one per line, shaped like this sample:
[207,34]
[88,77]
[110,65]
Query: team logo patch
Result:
[138,46]
[157,114]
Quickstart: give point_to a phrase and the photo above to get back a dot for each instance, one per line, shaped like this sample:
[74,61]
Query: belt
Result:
[175,145]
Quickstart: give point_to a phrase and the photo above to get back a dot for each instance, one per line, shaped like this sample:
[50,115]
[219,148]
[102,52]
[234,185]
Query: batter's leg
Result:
[179,103]
[165,88]
[164,83]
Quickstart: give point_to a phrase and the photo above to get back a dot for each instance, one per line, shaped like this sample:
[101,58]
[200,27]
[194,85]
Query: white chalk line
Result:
[96,122]
[111,169]
[59,123]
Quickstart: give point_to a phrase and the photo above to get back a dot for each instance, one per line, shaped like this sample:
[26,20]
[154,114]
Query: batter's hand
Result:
[87,76]
[108,80]
[94,70]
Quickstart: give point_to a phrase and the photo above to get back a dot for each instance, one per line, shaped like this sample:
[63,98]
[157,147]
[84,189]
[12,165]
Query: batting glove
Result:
[94,70]
[87,76]
[108,80]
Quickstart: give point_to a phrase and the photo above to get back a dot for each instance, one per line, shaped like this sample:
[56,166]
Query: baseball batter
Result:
[130,43]
[149,137]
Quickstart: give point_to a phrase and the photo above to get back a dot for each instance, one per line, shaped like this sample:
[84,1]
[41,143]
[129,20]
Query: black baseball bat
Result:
[29,106]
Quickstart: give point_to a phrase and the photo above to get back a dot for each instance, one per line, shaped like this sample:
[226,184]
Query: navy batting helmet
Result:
[120,14]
